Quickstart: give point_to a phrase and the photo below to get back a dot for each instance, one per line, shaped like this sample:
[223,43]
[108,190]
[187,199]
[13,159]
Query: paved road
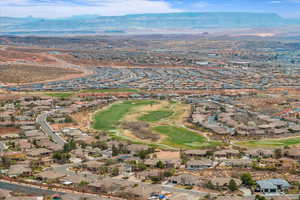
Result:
[27,189]
[42,121]
[33,190]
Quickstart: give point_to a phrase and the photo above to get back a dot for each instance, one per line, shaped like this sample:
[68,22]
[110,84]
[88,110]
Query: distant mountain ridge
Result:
[144,22]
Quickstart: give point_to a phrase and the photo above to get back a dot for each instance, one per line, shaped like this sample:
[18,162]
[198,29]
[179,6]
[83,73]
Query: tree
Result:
[6,162]
[69,146]
[115,151]
[140,167]
[247,180]
[115,171]
[34,142]
[232,185]
[278,153]
[169,172]
[207,197]
[83,185]
[100,144]
[103,170]
[155,179]
[68,119]
[209,185]
[160,164]
[61,156]
[34,165]
[258,197]
[142,154]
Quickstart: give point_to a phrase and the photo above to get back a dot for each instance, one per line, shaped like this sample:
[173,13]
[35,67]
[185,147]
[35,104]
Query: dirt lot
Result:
[9,130]
[59,127]
[31,64]
[168,155]
[14,55]
[31,73]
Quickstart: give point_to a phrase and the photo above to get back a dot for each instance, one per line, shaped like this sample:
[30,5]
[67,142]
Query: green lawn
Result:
[109,119]
[60,94]
[271,143]
[155,116]
[183,138]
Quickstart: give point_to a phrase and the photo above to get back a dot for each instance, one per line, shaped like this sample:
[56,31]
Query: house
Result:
[151,173]
[151,162]
[140,192]
[92,165]
[199,164]
[33,133]
[232,198]
[24,144]
[172,163]
[169,163]
[263,153]
[227,153]
[272,186]
[288,163]
[39,152]
[4,194]
[293,153]
[76,180]
[108,185]
[50,176]
[79,197]
[240,163]
[185,179]
[43,161]
[19,170]
[223,182]
[196,153]
[125,168]
[135,148]
[2,146]
[16,156]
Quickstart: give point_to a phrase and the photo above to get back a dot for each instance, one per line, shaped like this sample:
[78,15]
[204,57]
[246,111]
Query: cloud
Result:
[275,2]
[201,4]
[66,8]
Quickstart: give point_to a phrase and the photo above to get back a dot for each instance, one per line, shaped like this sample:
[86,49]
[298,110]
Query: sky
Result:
[67,8]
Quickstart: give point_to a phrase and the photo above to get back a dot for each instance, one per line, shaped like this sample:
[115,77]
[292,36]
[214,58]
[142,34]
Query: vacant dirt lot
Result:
[9,130]
[17,55]
[167,155]
[31,73]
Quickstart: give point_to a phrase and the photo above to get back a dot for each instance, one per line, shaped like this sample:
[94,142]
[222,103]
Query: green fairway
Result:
[109,119]
[183,138]
[60,94]
[271,143]
[155,116]
[111,90]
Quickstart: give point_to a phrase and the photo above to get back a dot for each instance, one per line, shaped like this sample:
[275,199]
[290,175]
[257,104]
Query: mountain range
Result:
[165,22]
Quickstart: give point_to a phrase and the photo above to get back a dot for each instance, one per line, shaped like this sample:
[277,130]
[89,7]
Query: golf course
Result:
[271,143]
[161,123]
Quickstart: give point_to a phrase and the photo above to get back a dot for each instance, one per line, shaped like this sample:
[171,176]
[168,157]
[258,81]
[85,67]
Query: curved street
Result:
[45,127]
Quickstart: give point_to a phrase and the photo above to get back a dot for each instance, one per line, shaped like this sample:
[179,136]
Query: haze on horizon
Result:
[68,8]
